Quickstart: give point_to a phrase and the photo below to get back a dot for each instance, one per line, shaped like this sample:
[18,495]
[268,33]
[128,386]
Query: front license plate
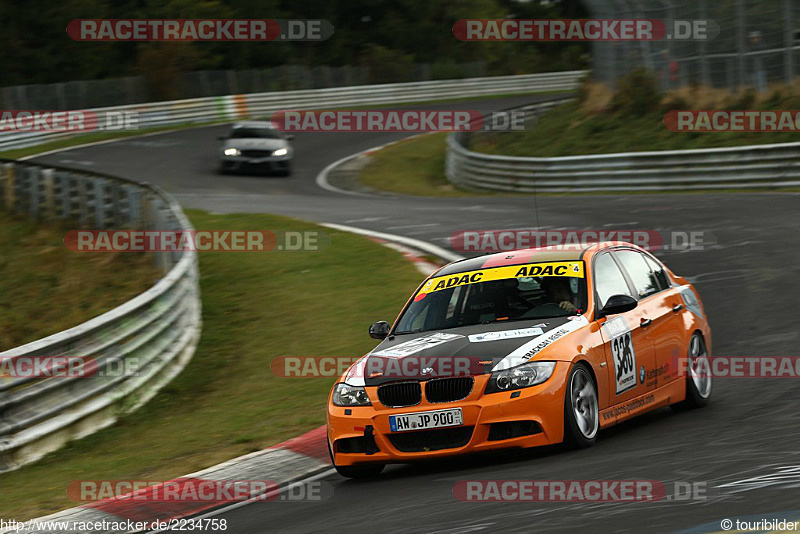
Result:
[423,420]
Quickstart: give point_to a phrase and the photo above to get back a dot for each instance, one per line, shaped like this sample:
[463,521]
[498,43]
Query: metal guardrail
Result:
[757,166]
[234,107]
[137,347]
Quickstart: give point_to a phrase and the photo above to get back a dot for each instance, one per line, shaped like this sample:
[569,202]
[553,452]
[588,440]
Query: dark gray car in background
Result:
[256,146]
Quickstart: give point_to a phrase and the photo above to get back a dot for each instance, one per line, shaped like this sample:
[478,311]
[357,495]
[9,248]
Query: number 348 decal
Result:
[622,351]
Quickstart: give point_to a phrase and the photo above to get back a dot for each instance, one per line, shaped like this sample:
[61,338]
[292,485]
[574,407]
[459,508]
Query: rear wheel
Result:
[581,409]
[357,470]
[698,375]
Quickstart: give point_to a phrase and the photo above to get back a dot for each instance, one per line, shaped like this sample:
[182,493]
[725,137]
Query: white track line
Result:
[322,177]
[418,244]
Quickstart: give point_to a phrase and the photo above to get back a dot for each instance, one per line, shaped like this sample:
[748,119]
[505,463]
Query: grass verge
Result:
[413,166]
[568,130]
[47,288]
[227,402]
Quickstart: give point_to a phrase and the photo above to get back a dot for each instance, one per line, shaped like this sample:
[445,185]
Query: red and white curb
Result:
[410,242]
[424,266]
[283,464]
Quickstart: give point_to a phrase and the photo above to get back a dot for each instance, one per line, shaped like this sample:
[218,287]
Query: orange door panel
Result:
[629,352]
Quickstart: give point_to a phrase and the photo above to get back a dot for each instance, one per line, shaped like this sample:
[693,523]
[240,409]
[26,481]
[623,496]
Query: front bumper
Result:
[538,411]
[270,163]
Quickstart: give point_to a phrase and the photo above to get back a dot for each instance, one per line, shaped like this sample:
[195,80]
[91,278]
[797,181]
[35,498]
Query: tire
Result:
[358,470]
[581,409]
[698,376]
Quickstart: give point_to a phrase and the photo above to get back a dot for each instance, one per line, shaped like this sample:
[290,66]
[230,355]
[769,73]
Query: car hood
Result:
[473,350]
[257,144]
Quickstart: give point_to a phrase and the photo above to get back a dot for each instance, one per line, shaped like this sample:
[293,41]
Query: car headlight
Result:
[232,152]
[346,395]
[522,376]
[280,152]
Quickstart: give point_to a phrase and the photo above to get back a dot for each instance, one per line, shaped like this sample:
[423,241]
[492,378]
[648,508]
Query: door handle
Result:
[645,322]
[677,308]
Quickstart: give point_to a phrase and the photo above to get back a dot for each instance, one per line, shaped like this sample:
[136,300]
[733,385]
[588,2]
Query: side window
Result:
[453,309]
[658,272]
[419,321]
[609,280]
[643,279]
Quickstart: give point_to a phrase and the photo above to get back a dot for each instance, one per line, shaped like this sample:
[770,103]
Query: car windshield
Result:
[494,295]
[255,133]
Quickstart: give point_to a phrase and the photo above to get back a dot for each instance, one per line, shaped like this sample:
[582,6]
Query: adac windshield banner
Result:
[562,268]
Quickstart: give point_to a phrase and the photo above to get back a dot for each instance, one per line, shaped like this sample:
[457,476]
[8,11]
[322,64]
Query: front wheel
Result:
[698,375]
[581,409]
[286,170]
[357,470]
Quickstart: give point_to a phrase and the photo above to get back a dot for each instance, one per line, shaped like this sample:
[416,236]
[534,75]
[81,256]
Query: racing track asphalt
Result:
[748,280]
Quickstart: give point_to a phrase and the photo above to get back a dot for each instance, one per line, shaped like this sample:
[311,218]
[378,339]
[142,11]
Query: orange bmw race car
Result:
[521,349]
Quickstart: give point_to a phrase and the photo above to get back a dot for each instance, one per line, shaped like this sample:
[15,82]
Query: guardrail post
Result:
[133,197]
[33,192]
[26,190]
[49,197]
[99,187]
[116,205]
[83,201]
[64,194]
[10,178]
[156,222]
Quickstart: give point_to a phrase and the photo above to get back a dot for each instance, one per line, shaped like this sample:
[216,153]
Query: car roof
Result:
[254,124]
[529,255]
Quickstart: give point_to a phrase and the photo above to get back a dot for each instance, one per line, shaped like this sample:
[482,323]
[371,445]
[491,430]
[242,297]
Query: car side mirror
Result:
[379,330]
[618,304]
[290,137]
